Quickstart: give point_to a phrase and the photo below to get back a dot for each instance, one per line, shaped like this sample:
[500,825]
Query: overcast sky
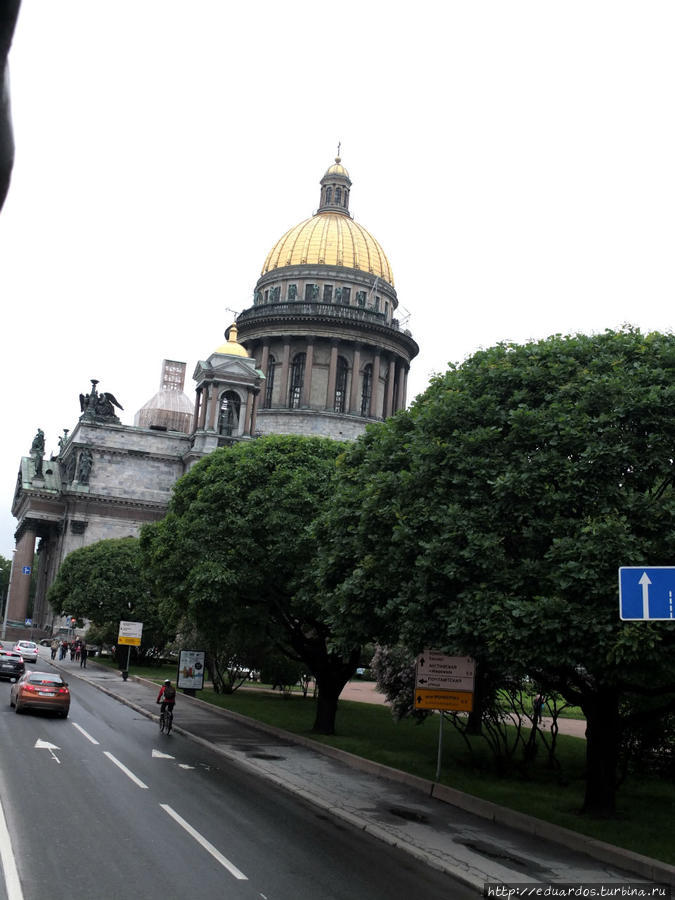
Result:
[515,160]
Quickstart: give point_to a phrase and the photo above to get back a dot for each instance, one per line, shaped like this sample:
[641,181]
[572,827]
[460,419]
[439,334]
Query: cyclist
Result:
[167,696]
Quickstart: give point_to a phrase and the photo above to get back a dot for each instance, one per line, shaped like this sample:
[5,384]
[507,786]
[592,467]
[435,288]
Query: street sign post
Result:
[647,593]
[444,682]
[130,634]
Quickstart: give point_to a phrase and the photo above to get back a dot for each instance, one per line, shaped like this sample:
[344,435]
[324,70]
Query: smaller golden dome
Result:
[337,169]
[232,347]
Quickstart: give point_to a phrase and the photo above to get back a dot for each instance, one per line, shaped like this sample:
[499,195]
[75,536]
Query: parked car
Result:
[40,690]
[11,664]
[28,649]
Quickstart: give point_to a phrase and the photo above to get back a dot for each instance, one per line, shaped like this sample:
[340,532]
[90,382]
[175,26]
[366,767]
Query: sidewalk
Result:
[472,840]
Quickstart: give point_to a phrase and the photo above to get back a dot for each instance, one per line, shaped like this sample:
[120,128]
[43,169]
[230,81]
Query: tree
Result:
[491,519]
[104,583]
[235,548]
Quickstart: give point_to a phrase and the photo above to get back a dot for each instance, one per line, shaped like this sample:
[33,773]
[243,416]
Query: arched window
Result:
[366,389]
[338,195]
[329,194]
[297,381]
[341,385]
[269,381]
[228,419]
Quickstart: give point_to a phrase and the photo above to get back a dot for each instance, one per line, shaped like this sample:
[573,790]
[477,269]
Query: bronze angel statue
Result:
[99,404]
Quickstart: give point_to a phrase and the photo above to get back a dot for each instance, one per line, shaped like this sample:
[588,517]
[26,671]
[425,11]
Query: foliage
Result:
[492,517]
[104,583]
[282,672]
[235,550]
[394,670]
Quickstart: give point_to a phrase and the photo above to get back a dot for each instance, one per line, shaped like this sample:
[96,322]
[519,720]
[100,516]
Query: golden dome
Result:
[329,239]
[336,169]
[232,347]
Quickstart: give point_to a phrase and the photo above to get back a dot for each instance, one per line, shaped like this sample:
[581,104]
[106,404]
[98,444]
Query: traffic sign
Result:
[130,633]
[26,570]
[444,682]
[647,593]
[459,701]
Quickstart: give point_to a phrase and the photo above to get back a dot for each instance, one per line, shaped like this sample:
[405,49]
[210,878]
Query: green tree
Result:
[235,548]
[5,569]
[492,518]
[105,584]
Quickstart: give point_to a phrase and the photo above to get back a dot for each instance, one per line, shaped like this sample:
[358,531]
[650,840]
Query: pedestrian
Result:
[62,650]
[77,651]
[537,706]
[83,656]
[54,646]
[72,652]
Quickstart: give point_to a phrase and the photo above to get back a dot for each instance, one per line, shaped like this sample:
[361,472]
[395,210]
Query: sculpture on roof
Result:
[98,406]
[37,451]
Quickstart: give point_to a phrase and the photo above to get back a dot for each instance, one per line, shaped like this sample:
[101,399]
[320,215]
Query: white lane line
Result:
[216,854]
[12,883]
[126,771]
[86,734]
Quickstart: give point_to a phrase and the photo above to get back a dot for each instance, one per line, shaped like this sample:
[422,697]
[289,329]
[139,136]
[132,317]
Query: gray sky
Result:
[514,159]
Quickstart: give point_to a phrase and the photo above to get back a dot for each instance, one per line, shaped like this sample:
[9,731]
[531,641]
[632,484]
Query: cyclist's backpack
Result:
[169,693]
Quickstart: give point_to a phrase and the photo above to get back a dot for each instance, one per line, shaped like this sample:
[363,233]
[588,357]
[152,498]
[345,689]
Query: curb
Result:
[636,863]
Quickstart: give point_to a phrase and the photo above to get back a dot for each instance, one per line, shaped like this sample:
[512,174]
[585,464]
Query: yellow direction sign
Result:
[459,701]
[130,633]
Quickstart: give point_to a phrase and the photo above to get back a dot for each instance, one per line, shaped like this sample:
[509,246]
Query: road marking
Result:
[126,771]
[82,731]
[45,745]
[12,883]
[184,766]
[157,754]
[216,854]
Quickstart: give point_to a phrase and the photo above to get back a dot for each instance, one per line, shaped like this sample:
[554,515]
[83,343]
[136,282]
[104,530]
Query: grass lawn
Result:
[645,807]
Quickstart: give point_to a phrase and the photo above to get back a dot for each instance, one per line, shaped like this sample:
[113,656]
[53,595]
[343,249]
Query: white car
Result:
[28,649]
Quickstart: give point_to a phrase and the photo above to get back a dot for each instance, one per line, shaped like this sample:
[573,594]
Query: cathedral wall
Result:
[310,423]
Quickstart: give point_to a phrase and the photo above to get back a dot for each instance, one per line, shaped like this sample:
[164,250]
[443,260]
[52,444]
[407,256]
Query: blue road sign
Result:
[647,593]
[26,570]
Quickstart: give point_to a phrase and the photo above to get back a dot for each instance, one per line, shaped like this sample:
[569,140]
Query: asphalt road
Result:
[101,805]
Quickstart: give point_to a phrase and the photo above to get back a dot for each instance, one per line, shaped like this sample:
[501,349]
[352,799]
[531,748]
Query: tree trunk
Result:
[330,680]
[602,752]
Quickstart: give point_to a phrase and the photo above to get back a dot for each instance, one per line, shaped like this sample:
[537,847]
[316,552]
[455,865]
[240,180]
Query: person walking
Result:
[83,656]
[54,646]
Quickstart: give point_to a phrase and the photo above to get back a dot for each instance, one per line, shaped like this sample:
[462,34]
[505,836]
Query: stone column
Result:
[285,363]
[375,393]
[354,393]
[400,393]
[213,406]
[195,417]
[245,426]
[20,587]
[390,389]
[306,399]
[332,374]
[203,397]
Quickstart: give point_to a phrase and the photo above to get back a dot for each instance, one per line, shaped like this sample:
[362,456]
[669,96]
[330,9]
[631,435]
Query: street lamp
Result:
[9,584]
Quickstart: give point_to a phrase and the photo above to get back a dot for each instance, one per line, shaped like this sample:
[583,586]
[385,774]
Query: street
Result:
[100,804]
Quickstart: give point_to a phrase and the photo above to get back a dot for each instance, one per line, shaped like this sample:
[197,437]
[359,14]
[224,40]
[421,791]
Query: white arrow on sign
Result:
[645,581]
[157,754]
[45,745]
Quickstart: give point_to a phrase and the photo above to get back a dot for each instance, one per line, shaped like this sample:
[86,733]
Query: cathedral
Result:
[321,351]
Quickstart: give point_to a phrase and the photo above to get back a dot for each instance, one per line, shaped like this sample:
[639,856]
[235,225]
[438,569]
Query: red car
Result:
[40,690]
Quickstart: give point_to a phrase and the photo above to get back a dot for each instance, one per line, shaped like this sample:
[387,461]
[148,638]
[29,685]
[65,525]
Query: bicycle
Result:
[166,721]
